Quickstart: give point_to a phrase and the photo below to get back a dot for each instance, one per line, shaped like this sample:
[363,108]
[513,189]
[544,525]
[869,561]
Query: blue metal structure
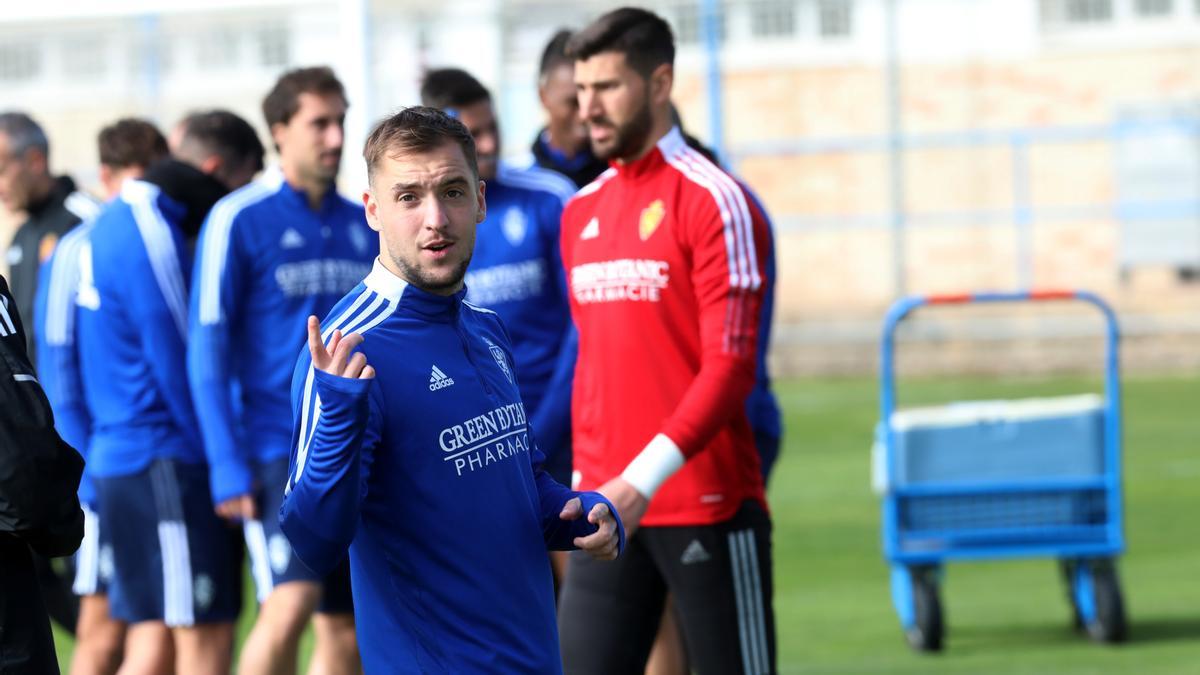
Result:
[1076,516]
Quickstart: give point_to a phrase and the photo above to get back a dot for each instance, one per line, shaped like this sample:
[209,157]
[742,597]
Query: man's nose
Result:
[589,106]
[434,215]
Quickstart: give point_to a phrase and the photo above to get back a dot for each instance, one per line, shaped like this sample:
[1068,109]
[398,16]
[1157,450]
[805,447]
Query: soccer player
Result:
[662,254]
[39,510]
[176,566]
[126,148]
[562,145]
[270,255]
[516,270]
[422,463]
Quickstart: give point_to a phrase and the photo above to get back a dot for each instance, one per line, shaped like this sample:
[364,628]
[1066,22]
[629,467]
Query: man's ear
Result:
[482,213]
[372,208]
[277,130]
[36,160]
[210,165]
[662,79]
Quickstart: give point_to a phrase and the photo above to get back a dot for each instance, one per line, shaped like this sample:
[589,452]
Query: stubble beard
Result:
[417,277]
[629,138]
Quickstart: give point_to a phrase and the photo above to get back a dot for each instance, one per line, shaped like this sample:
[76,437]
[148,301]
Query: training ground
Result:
[832,602]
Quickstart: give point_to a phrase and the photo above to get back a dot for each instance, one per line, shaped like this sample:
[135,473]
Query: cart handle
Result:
[903,307]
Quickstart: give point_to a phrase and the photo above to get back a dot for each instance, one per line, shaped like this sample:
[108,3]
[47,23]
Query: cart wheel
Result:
[925,634]
[1067,566]
[1108,625]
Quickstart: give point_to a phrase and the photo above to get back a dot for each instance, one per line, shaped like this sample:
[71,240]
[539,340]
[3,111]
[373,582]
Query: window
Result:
[773,18]
[150,55]
[19,61]
[833,18]
[1154,7]
[274,46]
[218,49]
[689,27]
[1088,11]
[84,58]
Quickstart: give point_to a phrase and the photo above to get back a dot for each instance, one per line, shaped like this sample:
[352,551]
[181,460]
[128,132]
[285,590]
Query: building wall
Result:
[1014,121]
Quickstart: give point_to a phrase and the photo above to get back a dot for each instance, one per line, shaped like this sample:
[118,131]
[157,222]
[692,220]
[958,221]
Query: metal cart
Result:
[1002,479]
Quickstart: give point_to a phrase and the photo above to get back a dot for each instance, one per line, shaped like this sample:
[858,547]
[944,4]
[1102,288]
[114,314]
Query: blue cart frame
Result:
[1086,549]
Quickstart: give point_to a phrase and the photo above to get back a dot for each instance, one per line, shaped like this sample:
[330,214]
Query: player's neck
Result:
[313,188]
[661,127]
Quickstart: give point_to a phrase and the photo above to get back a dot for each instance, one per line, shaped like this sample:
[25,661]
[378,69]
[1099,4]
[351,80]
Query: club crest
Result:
[652,217]
[501,359]
[514,226]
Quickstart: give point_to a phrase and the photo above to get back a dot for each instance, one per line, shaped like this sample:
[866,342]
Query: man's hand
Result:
[333,359]
[628,501]
[239,508]
[601,544]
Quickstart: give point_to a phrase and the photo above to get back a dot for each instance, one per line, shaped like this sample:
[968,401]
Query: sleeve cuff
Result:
[657,462]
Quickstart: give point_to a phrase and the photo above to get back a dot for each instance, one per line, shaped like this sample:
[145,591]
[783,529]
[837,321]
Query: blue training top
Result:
[59,280]
[131,328]
[762,408]
[265,261]
[517,271]
[427,474]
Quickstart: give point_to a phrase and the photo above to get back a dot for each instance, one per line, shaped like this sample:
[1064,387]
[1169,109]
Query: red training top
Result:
[666,283]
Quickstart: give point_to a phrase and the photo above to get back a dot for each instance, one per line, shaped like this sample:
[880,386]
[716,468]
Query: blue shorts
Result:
[94,560]
[271,559]
[174,559]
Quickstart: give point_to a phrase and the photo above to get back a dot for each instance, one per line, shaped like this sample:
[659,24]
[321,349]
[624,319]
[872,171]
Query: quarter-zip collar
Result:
[300,197]
[665,147]
[435,307]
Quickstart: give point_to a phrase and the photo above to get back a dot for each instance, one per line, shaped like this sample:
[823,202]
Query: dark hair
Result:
[642,36]
[448,88]
[419,129]
[284,98]
[221,133]
[555,53]
[131,142]
[23,133]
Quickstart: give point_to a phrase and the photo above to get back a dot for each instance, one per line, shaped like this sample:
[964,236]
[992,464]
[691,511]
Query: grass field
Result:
[832,602]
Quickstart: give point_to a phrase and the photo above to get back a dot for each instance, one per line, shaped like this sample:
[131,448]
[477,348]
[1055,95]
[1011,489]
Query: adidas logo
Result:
[439,380]
[591,230]
[694,553]
[291,239]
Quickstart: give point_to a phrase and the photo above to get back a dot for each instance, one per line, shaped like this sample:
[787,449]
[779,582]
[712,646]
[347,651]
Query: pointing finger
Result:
[315,346]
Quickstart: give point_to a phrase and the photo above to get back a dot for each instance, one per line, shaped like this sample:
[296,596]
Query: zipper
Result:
[465,341]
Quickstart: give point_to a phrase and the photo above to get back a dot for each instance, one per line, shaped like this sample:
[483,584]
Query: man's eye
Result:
[454,193]
[406,197]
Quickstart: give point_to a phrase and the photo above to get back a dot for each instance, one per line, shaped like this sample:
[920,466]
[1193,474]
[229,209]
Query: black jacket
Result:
[36,238]
[39,509]
[581,169]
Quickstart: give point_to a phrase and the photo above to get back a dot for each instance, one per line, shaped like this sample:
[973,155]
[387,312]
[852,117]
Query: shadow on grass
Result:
[1163,629]
[969,639]
[1142,631]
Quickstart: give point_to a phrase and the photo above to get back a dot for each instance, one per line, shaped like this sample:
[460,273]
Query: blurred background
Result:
[901,147]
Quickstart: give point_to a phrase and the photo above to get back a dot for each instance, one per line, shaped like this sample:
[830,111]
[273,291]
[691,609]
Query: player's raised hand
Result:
[336,359]
[604,542]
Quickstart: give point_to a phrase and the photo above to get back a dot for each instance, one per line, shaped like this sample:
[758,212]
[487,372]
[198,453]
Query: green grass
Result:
[832,602]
